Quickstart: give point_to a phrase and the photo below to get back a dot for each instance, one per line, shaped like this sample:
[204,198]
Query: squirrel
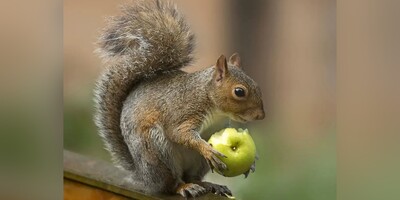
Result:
[151,115]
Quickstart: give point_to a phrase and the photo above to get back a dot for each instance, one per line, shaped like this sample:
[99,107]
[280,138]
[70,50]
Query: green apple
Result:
[239,148]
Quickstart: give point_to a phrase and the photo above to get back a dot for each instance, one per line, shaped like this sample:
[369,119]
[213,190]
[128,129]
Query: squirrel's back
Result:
[148,39]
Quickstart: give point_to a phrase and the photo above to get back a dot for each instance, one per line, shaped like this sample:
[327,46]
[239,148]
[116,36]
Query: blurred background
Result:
[288,47]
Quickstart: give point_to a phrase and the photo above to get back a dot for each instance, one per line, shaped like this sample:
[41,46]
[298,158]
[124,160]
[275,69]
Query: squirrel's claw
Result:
[252,169]
[213,160]
[246,173]
[211,167]
[216,189]
[217,163]
[215,152]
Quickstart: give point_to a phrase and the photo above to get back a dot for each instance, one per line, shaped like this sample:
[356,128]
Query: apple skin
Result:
[239,148]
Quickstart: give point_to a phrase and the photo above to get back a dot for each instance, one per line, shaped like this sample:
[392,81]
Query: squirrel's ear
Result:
[235,60]
[221,69]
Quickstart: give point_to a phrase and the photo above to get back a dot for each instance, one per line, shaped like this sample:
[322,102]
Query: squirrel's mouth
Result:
[238,118]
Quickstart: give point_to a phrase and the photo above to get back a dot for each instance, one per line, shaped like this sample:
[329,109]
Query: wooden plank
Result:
[87,176]
[74,190]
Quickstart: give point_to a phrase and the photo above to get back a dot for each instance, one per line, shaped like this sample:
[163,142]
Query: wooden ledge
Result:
[87,178]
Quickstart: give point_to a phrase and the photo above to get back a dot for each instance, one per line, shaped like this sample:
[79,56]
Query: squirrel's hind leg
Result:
[151,171]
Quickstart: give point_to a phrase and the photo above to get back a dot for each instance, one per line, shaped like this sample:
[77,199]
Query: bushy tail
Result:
[148,38]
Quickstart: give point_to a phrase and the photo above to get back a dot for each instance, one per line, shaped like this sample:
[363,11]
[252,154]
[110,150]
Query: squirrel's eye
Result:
[240,92]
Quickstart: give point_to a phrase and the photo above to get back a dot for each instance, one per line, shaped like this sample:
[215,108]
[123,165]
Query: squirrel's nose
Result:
[260,115]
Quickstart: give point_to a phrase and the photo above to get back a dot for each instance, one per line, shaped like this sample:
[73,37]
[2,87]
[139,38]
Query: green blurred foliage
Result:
[80,134]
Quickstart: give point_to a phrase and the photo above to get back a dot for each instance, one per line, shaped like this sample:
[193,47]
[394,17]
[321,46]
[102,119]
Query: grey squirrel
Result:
[151,115]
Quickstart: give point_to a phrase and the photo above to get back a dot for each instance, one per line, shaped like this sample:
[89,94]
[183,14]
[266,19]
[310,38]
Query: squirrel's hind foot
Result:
[190,190]
[215,188]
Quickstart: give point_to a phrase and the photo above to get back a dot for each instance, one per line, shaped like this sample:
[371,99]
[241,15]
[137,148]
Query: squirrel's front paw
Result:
[211,155]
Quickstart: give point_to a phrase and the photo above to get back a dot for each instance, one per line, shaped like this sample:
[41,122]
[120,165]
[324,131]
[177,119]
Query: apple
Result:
[239,148]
